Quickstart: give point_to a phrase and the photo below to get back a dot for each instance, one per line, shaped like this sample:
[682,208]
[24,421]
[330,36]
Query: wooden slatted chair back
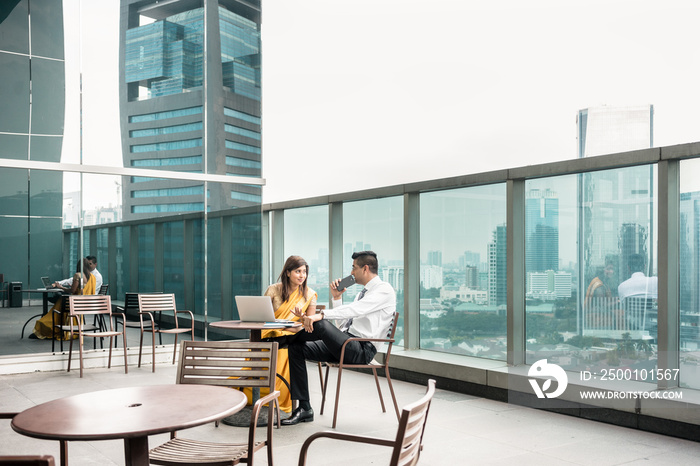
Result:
[233,364]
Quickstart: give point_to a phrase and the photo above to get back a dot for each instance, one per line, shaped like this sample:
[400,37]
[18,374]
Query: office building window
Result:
[165,130]
[173,145]
[165,115]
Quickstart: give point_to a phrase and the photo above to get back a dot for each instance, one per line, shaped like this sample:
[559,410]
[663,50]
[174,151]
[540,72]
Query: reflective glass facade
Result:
[32,105]
[164,101]
[462,269]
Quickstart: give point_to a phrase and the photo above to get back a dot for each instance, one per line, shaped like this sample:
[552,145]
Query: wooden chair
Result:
[85,305]
[159,303]
[28,460]
[131,303]
[409,438]
[373,366]
[234,364]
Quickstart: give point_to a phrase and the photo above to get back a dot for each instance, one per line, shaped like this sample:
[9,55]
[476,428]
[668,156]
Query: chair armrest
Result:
[381,340]
[344,437]
[4,415]
[183,312]
[269,398]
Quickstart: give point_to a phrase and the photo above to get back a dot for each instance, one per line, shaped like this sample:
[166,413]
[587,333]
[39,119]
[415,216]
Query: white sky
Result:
[366,93]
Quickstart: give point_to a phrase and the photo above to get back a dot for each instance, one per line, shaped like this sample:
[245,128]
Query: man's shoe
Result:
[299,415]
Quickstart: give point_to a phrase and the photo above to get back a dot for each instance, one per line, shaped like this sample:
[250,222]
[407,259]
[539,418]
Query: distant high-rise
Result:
[498,267]
[689,245]
[190,101]
[606,130]
[541,230]
[435,258]
[613,198]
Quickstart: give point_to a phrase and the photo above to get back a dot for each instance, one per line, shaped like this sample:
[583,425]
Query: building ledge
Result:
[638,405]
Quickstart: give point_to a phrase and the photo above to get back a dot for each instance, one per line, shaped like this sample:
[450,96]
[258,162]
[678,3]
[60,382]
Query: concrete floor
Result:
[461,429]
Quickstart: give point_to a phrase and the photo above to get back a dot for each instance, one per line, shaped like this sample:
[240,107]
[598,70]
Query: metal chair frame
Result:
[409,437]
[235,364]
[373,366]
[84,305]
[159,303]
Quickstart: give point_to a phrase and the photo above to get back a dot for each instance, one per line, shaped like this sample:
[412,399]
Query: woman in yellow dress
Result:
[43,328]
[289,293]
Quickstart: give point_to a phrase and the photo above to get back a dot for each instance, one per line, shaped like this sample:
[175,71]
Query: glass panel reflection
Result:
[463,265]
[612,322]
[306,235]
[376,225]
[689,274]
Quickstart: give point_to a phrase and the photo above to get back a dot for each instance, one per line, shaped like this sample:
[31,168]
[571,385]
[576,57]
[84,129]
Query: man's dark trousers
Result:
[323,344]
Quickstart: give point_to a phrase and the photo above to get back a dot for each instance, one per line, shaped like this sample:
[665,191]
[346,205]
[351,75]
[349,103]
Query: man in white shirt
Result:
[369,316]
[638,284]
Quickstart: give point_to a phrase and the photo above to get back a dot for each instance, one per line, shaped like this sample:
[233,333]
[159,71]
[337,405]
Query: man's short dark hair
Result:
[368,258]
[91,259]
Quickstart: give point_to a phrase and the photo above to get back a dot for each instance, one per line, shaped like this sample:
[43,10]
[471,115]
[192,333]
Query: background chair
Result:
[3,289]
[373,366]
[131,303]
[409,438]
[235,364]
[84,305]
[28,460]
[160,303]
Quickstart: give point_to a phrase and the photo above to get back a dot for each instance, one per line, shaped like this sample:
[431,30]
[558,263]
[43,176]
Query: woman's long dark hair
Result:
[293,263]
[85,268]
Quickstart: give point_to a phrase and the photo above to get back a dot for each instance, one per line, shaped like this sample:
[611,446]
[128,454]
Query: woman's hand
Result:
[299,312]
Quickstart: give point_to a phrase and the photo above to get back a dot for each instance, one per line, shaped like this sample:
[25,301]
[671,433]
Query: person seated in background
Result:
[638,283]
[82,282]
[637,293]
[66,284]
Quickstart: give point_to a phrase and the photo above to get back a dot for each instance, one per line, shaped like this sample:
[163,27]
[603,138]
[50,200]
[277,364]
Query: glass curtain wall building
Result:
[190,101]
[32,104]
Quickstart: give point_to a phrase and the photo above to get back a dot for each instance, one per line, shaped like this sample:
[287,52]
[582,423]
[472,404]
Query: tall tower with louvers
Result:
[541,230]
[190,101]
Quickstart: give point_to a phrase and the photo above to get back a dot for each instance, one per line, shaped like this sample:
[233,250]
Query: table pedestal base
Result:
[242,417]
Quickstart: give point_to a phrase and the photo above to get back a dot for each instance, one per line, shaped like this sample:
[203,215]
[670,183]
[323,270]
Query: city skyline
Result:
[332,99]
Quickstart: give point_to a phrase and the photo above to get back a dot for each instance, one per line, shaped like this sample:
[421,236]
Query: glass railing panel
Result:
[689,274]
[596,233]
[174,259]
[463,271]
[306,235]
[146,258]
[376,225]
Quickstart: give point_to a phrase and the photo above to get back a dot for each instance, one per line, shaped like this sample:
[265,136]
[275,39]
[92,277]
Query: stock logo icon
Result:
[552,372]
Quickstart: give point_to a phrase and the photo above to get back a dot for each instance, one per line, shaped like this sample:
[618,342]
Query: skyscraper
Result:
[689,242]
[613,198]
[498,267]
[190,101]
[541,230]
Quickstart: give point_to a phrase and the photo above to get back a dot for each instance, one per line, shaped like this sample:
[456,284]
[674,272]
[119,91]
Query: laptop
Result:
[46,282]
[259,309]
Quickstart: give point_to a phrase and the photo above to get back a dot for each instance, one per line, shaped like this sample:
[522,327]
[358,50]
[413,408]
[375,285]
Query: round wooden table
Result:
[131,413]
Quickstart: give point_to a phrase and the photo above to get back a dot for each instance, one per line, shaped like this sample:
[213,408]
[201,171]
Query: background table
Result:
[255,328]
[131,413]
